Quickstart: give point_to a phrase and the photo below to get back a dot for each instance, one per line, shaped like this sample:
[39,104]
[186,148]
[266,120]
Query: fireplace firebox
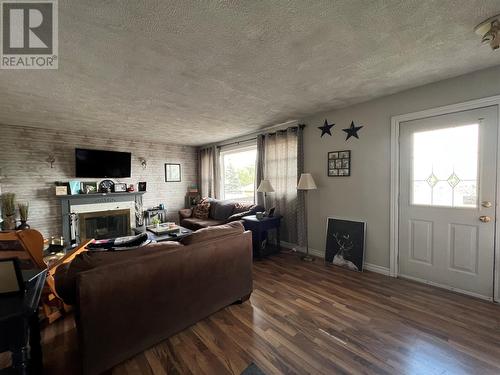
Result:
[104,224]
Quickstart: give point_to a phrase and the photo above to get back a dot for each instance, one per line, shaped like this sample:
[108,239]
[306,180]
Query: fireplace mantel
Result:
[68,202]
[98,195]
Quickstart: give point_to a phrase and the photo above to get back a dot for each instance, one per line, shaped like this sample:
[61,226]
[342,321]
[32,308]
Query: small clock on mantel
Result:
[106,186]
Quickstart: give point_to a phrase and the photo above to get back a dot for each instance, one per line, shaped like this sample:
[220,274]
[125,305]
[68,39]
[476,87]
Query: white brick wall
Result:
[25,171]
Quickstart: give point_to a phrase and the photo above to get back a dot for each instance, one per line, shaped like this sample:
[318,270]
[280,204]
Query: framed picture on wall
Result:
[339,163]
[172,172]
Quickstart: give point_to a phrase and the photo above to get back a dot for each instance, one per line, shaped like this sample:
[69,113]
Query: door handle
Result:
[485,219]
[486,204]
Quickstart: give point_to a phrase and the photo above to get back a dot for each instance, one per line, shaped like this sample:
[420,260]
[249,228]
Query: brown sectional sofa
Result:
[128,301]
[221,212]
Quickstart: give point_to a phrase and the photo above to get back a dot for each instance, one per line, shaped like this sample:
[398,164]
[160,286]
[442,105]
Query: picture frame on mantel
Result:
[89,187]
[172,172]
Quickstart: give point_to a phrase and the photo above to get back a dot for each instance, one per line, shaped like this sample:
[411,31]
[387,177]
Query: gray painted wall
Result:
[366,194]
[25,171]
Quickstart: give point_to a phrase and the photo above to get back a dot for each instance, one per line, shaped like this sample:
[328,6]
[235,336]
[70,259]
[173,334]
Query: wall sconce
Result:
[51,159]
[144,163]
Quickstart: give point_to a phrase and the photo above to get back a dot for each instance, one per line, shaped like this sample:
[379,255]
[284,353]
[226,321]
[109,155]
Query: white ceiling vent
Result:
[489,30]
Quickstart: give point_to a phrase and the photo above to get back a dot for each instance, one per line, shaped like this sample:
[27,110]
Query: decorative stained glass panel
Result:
[444,167]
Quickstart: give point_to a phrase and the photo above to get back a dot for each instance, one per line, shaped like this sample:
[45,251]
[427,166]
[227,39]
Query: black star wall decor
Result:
[352,131]
[325,129]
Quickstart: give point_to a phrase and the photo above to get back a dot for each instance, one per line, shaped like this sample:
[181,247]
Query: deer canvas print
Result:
[345,243]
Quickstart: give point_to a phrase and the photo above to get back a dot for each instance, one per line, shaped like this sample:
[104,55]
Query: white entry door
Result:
[447,200]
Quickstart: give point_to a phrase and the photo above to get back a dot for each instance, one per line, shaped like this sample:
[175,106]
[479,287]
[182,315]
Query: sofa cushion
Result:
[202,210]
[210,233]
[213,205]
[65,275]
[240,215]
[194,223]
[223,210]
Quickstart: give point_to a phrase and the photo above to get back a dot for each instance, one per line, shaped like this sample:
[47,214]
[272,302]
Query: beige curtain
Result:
[279,158]
[208,160]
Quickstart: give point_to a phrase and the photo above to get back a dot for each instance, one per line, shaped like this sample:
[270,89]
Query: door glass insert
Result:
[445,165]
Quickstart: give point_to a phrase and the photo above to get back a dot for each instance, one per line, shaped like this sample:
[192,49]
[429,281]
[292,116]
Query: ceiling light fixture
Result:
[489,31]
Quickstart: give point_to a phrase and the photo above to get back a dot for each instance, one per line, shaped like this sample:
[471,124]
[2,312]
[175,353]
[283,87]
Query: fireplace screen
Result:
[105,224]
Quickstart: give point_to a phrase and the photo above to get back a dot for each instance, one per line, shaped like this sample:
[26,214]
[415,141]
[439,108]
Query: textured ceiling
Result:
[195,72]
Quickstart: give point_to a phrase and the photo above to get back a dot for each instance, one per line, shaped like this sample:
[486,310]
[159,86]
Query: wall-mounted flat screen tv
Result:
[102,164]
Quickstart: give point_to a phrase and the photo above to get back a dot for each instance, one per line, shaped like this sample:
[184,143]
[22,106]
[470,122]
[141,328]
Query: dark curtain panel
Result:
[301,212]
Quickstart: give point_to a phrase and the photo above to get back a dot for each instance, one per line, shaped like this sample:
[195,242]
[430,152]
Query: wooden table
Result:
[19,325]
[259,228]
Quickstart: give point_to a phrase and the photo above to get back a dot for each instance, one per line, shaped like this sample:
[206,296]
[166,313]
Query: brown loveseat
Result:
[221,212]
[128,301]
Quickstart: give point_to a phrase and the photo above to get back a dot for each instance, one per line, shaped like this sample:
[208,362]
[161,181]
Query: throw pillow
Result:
[202,210]
[239,216]
[209,233]
[223,210]
[242,207]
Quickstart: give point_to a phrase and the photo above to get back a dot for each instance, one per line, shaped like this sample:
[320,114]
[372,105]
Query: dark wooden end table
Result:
[259,228]
[19,326]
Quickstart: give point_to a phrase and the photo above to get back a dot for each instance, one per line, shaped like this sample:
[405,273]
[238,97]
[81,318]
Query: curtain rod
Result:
[237,142]
[302,126]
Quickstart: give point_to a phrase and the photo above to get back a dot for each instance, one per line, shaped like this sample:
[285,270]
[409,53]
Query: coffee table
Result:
[183,232]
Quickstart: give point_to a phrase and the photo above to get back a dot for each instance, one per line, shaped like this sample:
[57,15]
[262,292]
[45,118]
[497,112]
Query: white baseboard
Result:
[472,294]
[300,249]
[321,254]
[317,253]
[376,268]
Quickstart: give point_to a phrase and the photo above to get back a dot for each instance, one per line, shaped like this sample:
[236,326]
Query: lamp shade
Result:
[306,182]
[265,187]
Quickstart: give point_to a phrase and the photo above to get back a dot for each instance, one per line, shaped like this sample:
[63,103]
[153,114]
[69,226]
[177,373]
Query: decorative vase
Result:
[9,222]
[23,225]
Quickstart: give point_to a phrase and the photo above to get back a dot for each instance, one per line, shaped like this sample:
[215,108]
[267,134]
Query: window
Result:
[445,167]
[238,174]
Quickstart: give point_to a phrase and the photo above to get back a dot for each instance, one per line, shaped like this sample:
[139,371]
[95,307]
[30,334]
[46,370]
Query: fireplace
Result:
[104,224]
[76,209]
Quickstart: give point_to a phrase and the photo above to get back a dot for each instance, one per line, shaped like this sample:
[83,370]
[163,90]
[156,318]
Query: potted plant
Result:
[9,211]
[23,214]
[156,222]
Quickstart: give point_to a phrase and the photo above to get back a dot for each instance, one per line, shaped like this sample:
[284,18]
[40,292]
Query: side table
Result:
[19,326]
[259,228]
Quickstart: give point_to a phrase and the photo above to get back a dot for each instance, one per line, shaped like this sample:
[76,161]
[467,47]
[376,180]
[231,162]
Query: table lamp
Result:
[265,187]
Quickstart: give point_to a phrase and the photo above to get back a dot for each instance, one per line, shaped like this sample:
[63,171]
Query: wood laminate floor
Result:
[312,318]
